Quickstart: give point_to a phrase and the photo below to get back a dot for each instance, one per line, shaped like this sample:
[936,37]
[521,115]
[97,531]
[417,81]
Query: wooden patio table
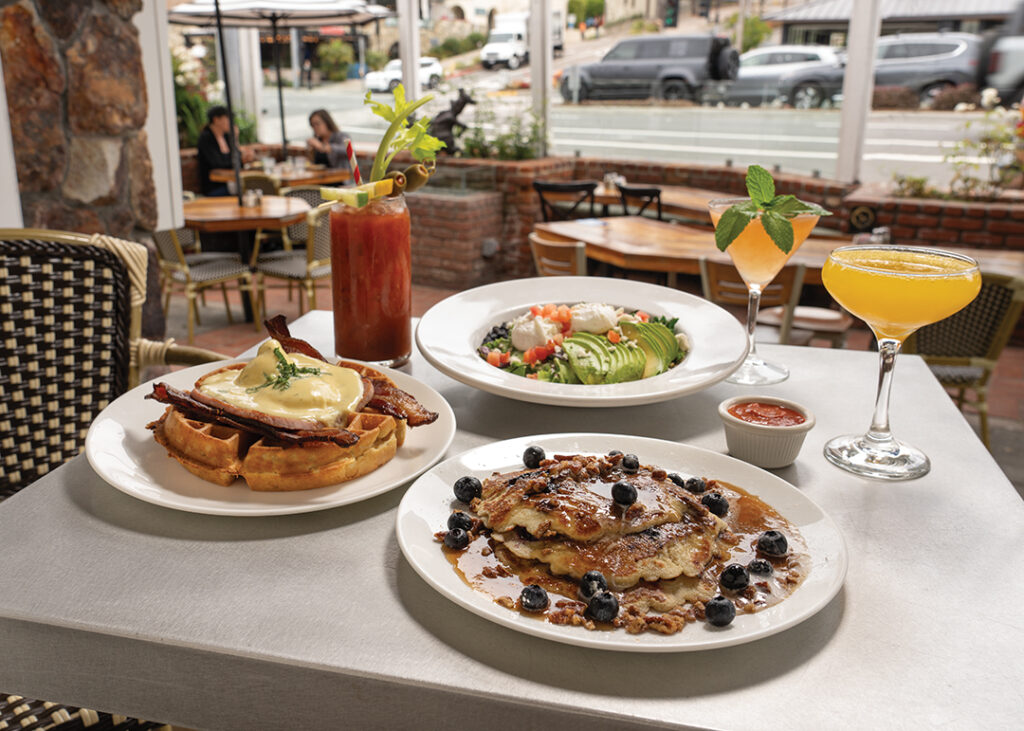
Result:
[676,200]
[636,242]
[291,176]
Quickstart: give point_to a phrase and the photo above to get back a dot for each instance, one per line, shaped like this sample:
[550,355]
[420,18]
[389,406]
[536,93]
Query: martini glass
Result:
[895,290]
[758,261]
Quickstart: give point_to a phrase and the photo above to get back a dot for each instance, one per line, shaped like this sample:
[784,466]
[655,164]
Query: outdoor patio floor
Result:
[1006,393]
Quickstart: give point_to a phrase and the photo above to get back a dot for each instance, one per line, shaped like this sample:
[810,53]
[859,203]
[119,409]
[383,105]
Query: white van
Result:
[509,41]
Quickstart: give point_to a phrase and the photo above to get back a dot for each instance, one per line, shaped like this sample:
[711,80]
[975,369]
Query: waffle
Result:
[221,454]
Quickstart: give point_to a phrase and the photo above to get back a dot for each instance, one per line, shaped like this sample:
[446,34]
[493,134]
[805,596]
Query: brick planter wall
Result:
[450,232]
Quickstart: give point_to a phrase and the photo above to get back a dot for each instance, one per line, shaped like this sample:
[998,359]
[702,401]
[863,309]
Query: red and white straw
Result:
[352,163]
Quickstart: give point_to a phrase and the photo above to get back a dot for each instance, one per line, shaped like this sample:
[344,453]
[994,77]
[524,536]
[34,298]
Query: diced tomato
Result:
[644,317]
[566,328]
[536,355]
[505,358]
[548,311]
[555,340]
[535,310]
[614,336]
[532,375]
[564,314]
[494,358]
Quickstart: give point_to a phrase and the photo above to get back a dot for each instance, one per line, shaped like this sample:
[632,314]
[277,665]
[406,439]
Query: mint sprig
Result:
[775,212]
[400,134]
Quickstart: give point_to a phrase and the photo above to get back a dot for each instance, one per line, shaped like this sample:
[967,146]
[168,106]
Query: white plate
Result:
[450,333]
[429,501]
[123,452]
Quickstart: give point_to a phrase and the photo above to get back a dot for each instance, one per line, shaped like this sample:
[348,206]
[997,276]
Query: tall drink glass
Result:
[371,277]
[895,290]
[758,261]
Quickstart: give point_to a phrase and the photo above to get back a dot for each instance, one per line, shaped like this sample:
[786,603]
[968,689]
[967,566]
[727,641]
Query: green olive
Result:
[417,176]
[400,184]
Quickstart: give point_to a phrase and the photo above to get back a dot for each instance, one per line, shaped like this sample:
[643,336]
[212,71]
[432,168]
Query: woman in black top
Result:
[328,143]
[214,150]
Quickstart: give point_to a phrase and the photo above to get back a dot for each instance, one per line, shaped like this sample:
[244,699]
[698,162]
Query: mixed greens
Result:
[586,343]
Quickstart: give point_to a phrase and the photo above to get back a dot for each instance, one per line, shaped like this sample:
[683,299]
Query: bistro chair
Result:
[723,284]
[558,258]
[260,181]
[303,267]
[296,233]
[576,194]
[194,278]
[963,349]
[642,197]
[71,308]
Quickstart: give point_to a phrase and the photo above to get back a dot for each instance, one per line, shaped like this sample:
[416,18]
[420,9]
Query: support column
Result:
[540,64]
[296,45]
[858,87]
[409,46]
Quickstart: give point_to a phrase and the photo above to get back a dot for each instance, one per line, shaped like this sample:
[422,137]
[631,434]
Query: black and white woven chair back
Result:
[65,317]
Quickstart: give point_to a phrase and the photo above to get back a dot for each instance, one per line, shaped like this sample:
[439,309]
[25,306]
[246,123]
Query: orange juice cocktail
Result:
[755,255]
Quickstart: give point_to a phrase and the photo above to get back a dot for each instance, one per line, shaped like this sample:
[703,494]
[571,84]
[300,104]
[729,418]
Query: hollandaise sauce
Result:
[289,385]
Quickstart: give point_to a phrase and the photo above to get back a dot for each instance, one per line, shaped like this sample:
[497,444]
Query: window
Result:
[680,48]
[760,59]
[654,49]
[626,51]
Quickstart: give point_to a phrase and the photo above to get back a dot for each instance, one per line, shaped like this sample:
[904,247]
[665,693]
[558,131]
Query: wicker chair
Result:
[963,349]
[193,278]
[721,283]
[71,308]
[302,267]
[583,192]
[644,197]
[296,233]
[260,181]
[558,258]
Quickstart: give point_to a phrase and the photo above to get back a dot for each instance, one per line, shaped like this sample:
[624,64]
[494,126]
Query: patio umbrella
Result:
[274,14]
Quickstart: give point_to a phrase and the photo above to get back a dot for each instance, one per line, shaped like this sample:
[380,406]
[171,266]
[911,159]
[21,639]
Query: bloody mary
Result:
[371,275]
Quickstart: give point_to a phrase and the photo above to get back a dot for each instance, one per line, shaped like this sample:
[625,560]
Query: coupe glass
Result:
[895,290]
[758,261]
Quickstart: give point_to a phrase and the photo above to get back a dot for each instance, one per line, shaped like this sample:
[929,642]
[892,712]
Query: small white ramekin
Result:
[764,446]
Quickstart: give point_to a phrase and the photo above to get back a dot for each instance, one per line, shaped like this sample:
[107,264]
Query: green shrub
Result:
[521,140]
[755,30]
[476,40]
[335,58]
[375,60]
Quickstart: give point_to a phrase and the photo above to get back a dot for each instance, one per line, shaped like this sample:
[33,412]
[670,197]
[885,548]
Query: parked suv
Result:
[805,76]
[927,62]
[1002,59]
[667,67]
[390,76]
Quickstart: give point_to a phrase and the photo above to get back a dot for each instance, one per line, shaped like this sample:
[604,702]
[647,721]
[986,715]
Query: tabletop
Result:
[299,621]
[289,176]
[638,242]
[676,200]
[222,213]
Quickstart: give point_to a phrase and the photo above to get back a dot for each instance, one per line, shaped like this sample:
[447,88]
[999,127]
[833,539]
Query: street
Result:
[798,141]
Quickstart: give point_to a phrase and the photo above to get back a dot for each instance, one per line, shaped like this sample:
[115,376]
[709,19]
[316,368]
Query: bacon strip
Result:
[194,409]
[277,326]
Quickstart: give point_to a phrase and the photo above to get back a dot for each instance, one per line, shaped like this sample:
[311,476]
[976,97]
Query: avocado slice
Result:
[656,359]
[669,344]
[636,361]
[588,358]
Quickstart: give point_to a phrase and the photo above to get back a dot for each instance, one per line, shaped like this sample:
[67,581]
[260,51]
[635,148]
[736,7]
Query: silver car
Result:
[804,76]
[927,62]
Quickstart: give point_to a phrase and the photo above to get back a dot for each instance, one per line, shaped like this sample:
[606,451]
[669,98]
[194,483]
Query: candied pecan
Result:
[506,601]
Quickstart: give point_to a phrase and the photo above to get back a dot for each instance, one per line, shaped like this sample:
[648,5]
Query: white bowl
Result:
[764,446]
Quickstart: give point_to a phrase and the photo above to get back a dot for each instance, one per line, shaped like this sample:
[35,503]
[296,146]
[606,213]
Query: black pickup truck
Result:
[665,67]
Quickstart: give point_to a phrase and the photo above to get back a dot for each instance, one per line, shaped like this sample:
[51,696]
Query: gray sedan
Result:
[804,76]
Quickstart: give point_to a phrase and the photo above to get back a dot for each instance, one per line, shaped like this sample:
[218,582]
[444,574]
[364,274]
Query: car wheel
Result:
[675,89]
[728,64]
[513,63]
[807,96]
[393,85]
[931,91]
[435,80]
[487,65]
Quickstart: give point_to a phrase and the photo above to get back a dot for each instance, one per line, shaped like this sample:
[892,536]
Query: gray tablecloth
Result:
[317,621]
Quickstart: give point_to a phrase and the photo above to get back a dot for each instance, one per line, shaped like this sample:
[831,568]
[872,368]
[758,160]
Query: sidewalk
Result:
[1006,393]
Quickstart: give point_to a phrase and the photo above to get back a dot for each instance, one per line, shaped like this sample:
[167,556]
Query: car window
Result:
[394,65]
[426,62]
[625,51]
[760,59]
[654,49]
[680,48]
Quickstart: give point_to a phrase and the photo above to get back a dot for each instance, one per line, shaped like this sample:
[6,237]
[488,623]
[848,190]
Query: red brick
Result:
[902,233]
[1007,227]
[914,219]
[963,224]
[982,238]
[997,211]
[938,234]
[931,208]
[884,219]
[1015,242]
[976,211]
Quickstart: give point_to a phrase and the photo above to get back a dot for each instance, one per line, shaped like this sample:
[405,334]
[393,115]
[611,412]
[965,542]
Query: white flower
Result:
[989,98]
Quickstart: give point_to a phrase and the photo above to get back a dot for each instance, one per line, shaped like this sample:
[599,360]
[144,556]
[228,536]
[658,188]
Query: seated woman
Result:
[328,143]
[214,150]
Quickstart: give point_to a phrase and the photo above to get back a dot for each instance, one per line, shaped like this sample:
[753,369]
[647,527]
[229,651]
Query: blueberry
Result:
[719,611]
[458,519]
[630,464]
[456,538]
[772,543]
[760,566]
[533,598]
[717,504]
[591,583]
[678,479]
[532,457]
[623,494]
[467,488]
[614,453]
[603,606]
[734,577]
[696,485]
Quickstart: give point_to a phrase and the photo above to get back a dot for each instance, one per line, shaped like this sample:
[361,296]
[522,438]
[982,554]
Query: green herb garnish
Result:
[670,324]
[286,371]
[400,134]
[774,211]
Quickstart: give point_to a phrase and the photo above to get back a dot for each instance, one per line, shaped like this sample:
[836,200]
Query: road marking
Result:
[756,137]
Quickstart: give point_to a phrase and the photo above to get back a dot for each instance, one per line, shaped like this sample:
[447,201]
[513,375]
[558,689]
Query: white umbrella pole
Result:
[236,161]
[280,94]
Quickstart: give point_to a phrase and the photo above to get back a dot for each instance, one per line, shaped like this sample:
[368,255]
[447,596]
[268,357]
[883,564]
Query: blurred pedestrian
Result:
[328,143]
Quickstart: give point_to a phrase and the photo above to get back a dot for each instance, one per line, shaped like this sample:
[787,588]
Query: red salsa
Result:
[755,412]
